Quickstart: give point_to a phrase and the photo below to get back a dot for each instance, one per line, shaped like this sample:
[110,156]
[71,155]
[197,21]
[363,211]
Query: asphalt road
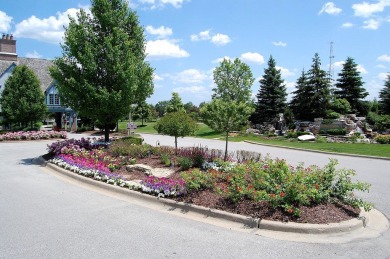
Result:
[42,216]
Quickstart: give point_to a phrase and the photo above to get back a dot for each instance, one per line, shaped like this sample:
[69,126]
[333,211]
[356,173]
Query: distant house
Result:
[64,116]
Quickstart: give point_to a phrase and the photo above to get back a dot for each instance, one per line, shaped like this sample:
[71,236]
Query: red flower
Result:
[282,194]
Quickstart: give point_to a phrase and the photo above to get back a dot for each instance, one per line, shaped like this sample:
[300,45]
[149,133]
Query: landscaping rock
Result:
[139,167]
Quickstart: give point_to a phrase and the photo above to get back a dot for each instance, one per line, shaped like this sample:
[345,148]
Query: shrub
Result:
[185,163]
[56,147]
[165,159]
[198,155]
[383,139]
[124,148]
[131,140]
[287,187]
[197,180]
[334,132]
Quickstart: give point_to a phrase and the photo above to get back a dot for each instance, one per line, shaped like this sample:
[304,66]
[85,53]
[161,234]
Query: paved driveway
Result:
[42,216]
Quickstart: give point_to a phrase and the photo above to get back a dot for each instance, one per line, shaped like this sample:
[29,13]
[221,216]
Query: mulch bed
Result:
[319,214]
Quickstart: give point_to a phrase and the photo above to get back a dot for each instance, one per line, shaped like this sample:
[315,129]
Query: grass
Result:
[206,132]
[346,148]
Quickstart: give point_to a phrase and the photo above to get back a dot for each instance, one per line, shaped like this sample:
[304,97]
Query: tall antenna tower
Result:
[331,57]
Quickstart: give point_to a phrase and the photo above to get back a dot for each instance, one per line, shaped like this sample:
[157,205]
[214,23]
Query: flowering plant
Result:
[32,135]
[163,186]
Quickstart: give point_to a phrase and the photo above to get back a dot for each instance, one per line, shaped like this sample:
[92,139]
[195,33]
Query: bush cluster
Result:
[383,139]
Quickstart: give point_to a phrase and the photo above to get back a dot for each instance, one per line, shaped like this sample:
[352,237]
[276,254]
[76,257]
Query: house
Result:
[64,116]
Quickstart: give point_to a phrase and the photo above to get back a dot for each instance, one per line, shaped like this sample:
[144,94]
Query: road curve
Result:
[42,216]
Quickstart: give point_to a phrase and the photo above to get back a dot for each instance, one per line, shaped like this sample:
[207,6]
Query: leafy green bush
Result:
[197,180]
[165,159]
[287,187]
[131,140]
[334,132]
[185,163]
[383,139]
[124,148]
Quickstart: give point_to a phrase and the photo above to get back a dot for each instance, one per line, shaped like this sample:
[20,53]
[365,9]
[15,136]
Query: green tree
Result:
[340,106]
[103,69]
[384,97]
[318,83]
[271,98]
[161,107]
[142,112]
[231,103]
[176,124]
[300,101]
[312,97]
[22,100]
[349,86]
[175,104]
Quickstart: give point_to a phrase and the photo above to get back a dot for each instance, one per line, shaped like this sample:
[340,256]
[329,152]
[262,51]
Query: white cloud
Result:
[33,54]
[220,39]
[381,66]
[279,43]
[339,64]
[161,32]
[371,24]
[161,3]
[48,29]
[191,76]
[5,22]
[366,9]
[157,77]
[219,60]
[190,89]
[285,71]
[383,76]
[385,58]
[347,25]
[361,69]
[164,48]
[203,35]
[252,57]
[217,39]
[330,8]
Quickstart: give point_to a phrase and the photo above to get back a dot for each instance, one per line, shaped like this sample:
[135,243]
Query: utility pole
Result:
[331,57]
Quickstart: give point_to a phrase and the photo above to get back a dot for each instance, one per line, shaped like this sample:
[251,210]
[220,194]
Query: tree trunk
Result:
[175,145]
[106,133]
[226,145]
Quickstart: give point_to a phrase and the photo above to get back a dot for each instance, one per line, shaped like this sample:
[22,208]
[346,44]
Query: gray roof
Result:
[39,66]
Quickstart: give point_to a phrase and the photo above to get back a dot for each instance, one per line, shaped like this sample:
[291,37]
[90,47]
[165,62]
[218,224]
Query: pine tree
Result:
[175,104]
[22,100]
[103,70]
[349,86]
[271,98]
[384,97]
[300,102]
[319,90]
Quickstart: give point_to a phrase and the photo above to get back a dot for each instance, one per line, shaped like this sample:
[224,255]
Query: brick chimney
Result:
[8,48]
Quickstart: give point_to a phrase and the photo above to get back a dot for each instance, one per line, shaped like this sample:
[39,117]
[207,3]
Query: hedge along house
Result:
[64,116]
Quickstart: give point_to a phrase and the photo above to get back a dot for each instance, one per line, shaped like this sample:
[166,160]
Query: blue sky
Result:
[186,39]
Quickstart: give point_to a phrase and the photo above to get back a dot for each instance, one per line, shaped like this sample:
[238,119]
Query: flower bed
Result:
[32,135]
[269,183]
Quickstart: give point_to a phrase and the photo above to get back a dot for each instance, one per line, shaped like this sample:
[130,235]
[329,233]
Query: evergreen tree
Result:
[22,100]
[103,70]
[271,98]
[319,90]
[349,86]
[300,101]
[384,97]
[175,104]
[161,107]
[142,111]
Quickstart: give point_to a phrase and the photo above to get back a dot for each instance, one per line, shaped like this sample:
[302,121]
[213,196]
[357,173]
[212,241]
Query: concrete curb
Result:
[345,227]
[318,151]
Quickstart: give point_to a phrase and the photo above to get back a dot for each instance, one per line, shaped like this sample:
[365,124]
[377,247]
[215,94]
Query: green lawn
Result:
[356,148]
[205,132]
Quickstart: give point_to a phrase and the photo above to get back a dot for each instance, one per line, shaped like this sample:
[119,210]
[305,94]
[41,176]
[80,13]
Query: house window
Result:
[51,99]
[56,99]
